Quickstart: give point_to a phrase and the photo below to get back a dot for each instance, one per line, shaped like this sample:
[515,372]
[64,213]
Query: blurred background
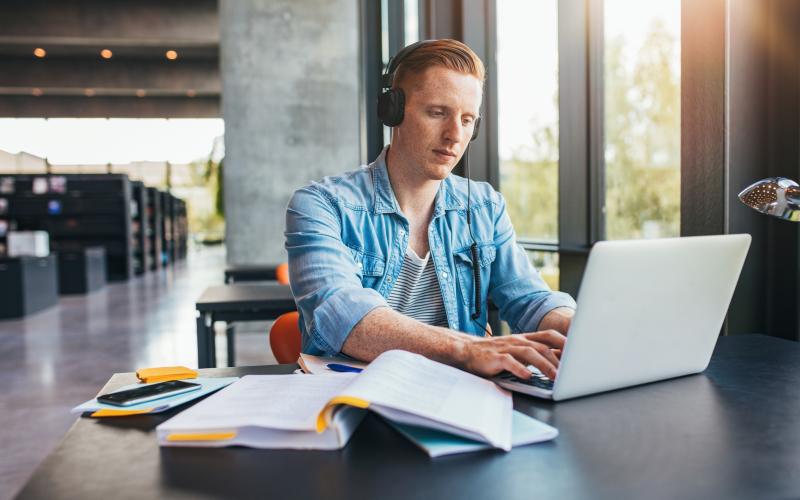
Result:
[147,147]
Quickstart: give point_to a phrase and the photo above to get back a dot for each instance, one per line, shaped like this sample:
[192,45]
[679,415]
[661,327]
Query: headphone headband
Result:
[394,62]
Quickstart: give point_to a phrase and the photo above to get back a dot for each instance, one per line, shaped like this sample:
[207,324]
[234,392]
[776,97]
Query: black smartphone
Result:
[147,393]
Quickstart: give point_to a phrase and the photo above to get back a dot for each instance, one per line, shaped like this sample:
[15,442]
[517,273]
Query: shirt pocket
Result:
[369,267]
[466,279]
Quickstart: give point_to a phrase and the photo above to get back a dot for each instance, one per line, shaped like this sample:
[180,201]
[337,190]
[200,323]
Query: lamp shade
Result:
[776,196]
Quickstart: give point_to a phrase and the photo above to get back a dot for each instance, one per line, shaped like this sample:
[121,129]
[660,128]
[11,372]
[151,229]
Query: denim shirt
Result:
[346,238]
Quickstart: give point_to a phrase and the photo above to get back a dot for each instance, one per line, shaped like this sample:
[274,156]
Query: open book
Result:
[322,411]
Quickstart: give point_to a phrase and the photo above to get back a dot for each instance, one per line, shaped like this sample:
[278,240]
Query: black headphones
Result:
[392,102]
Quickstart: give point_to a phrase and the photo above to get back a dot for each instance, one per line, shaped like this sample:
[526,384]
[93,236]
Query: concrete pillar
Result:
[290,104]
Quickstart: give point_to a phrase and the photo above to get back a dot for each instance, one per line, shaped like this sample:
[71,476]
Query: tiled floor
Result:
[55,359]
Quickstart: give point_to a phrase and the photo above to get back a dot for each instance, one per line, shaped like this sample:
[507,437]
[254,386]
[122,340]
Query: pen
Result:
[343,368]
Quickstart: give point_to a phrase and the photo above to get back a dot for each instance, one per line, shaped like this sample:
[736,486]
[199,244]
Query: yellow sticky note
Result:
[165,373]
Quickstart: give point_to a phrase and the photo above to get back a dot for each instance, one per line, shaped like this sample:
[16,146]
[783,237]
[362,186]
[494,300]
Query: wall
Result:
[290,103]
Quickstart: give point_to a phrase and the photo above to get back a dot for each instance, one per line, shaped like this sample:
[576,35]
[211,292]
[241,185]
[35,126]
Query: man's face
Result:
[441,108]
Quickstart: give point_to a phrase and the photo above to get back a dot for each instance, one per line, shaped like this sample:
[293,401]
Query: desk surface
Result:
[236,296]
[730,432]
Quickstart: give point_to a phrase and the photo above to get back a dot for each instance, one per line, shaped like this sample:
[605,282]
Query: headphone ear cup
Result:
[476,129]
[391,107]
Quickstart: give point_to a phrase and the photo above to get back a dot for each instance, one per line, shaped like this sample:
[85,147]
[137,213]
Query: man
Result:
[380,258]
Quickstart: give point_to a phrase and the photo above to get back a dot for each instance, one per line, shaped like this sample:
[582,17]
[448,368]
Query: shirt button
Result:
[444,275]
[388,279]
[401,233]
[360,265]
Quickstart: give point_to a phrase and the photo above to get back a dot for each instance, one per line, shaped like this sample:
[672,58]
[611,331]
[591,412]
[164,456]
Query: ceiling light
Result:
[140,93]
[191,92]
[36,92]
[106,54]
[39,52]
[88,92]
[172,55]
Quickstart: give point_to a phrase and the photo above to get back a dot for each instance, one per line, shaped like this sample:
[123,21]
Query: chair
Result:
[284,337]
[282,273]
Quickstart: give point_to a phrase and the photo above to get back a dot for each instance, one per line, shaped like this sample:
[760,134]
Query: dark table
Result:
[731,432]
[250,273]
[236,303]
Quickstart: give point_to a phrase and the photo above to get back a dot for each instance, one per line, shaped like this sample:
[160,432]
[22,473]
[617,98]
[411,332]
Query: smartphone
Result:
[147,393]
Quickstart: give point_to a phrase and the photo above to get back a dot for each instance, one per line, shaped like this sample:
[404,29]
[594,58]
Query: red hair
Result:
[447,53]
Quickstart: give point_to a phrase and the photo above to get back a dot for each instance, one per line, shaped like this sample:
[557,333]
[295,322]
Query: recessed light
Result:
[106,54]
[191,92]
[172,55]
[88,92]
[36,92]
[39,52]
[140,93]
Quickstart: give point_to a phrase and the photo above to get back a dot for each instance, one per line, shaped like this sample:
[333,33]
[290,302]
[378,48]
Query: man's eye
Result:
[437,113]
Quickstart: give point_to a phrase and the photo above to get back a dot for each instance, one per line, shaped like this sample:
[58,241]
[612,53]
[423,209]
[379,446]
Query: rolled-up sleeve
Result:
[323,275]
[518,289]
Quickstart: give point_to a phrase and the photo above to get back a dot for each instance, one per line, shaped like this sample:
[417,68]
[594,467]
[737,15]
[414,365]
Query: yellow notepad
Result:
[165,373]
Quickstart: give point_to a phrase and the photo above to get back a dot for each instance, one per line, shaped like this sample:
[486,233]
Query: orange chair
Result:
[282,273]
[284,337]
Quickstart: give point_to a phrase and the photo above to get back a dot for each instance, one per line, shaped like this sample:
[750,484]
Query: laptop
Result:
[648,310]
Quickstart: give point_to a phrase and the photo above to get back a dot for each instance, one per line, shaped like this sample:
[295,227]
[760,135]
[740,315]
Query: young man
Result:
[380,257]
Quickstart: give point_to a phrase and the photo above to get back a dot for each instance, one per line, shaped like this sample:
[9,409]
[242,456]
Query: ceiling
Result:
[78,76]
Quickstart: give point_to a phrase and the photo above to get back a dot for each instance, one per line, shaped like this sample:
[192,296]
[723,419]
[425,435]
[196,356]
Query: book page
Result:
[426,390]
[287,402]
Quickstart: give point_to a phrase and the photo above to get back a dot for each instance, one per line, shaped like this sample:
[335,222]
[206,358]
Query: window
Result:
[642,118]
[411,14]
[527,83]
[547,265]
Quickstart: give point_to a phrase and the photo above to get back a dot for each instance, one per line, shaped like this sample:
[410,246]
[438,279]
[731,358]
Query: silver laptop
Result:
[648,310]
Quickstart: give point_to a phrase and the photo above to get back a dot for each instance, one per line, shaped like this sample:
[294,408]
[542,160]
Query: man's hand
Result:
[490,356]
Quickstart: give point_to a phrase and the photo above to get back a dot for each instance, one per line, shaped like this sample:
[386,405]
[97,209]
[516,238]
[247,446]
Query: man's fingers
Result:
[509,363]
[549,355]
[543,348]
[531,356]
[552,338]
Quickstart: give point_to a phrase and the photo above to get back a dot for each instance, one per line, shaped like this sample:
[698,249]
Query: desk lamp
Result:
[776,196]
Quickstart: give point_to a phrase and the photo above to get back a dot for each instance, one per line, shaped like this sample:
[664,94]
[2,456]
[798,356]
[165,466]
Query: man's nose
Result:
[454,130]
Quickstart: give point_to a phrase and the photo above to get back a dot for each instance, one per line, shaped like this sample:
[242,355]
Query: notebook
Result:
[323,411]
[524,430]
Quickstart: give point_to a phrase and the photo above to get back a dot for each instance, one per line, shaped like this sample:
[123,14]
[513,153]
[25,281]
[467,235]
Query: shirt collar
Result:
[384,200]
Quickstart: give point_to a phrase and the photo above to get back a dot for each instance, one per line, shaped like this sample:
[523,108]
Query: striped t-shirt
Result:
[416,291]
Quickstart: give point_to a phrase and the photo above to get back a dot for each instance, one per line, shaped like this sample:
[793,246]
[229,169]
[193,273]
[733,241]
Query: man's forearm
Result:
[559,319]
[383,329]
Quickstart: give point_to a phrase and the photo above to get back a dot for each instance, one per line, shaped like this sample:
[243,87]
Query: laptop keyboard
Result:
[536,380]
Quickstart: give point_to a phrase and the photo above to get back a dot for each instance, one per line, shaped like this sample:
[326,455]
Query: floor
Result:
[55,359]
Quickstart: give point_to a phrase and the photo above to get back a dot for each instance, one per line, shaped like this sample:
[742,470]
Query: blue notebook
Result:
[98,409]
[524,430]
